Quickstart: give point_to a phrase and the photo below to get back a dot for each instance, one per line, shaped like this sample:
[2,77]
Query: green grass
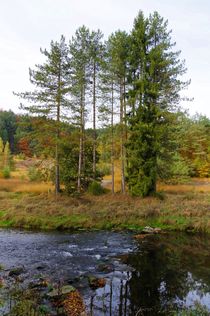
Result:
[46,212]
[6,223]
[2,213]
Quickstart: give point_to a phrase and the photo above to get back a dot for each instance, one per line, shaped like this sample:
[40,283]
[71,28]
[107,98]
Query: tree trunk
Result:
[57,171]
[125,123]
[57,167]
[112,138]
[122,140]
[80,162]
[94,120]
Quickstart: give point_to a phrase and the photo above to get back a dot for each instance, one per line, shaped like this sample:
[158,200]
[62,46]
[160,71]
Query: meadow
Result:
[33,205]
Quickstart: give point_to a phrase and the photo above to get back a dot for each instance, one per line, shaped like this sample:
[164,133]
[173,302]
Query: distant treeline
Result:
[191,141]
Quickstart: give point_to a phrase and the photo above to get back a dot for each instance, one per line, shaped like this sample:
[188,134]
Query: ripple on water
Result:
[67,254]
[154,274]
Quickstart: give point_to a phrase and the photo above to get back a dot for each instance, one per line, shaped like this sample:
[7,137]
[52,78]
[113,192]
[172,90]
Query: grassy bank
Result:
[173,211]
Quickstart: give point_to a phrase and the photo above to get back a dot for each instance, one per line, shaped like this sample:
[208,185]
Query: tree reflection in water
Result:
[165,273]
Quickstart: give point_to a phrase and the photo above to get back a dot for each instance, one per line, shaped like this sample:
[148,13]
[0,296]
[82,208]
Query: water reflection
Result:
[164,273]
[152,276]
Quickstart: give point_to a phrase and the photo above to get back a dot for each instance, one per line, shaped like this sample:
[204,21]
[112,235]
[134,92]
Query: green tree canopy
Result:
[155,85]
[49,98]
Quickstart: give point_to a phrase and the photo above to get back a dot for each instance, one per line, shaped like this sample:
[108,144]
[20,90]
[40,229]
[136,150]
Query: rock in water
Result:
[64,290]
[16,271]
[95,283]
[150,230]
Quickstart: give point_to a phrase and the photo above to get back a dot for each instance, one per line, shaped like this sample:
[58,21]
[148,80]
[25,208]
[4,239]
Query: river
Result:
[146,276]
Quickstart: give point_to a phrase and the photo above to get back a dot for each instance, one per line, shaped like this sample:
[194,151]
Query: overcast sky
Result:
[27,25]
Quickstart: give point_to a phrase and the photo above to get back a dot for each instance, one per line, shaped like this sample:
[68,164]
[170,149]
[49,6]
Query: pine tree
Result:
[96,50]
[106,115]
[155,71]
[49,98]
[118,48]
[80,66]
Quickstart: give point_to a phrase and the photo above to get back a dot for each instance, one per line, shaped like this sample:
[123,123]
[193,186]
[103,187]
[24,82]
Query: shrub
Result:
[95,188]
[34,174]
[104,169]
[180,170]
[159,195]
[6,172]
[20,156]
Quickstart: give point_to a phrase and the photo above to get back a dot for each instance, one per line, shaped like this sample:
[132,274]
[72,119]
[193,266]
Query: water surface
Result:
[150,276]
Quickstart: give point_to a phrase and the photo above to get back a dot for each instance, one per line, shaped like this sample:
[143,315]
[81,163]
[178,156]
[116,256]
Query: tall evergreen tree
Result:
[80,65]
[107,107]
[8,126]
[49,98]
[155,71]
[96,50]
[118,48]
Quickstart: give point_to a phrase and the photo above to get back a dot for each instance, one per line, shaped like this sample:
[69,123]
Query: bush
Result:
[95,188]
[20,156]
[104,169]
[6,172]
[34,174]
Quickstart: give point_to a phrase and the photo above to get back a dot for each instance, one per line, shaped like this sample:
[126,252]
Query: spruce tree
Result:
[155,71]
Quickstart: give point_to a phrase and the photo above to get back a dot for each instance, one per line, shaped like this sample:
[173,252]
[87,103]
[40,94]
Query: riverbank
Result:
[183,211]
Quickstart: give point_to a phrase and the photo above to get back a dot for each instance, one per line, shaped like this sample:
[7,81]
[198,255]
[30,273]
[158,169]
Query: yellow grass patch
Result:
[19,181]
[117,178]
[195,185]
[17,185]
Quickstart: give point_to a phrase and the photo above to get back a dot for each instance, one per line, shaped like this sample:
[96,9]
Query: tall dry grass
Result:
[195,185]
[17,185]
[32,205]
[19,181]
[203,186]
[181,211]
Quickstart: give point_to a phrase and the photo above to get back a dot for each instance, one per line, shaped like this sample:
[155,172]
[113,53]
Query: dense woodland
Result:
[99,101]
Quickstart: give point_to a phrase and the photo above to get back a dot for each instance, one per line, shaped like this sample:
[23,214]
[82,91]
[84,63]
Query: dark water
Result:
[152,276]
